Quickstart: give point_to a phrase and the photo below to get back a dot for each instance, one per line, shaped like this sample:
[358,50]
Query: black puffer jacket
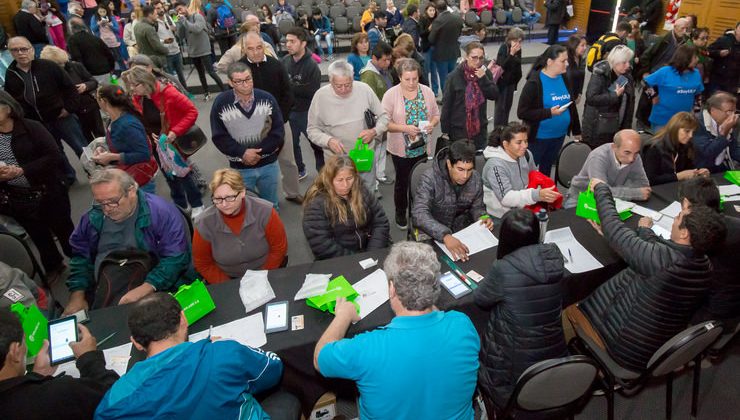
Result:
[329,241]
[643,306]
[523,293]
[601,100]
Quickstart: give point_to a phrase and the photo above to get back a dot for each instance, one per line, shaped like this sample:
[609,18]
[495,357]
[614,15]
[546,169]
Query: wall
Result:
[717,15]
[8,8]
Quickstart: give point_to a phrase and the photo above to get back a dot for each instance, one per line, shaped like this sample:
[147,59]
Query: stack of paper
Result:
[730,192]
[577,258]
[313,285]
[644,211]
[672,210]
[255,289]
[476,237]
[373,291]
[116,359]
[249,331]
[662,227]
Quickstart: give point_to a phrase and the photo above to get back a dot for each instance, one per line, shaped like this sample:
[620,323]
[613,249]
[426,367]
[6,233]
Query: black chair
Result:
[416,173]
[284,26]
[16,252]
[554,384]
[336,11]
[690,344]
[353,11]
[570,161]
[470,18]
[356,27]
[480,162]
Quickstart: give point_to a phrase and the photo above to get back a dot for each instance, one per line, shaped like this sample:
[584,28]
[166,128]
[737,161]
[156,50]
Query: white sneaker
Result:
[195,212]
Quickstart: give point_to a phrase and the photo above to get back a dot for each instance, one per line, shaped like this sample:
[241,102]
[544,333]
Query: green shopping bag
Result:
[195,300]
[337,287]
[362,156]
[586,207]
[34,325]
[733,176]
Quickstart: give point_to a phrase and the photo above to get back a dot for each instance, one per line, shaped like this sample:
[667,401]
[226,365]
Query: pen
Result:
[101,342]
[210,331]
[570,256]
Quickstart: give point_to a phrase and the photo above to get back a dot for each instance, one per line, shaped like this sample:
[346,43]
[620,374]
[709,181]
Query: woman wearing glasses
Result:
[469,86]
[239,232]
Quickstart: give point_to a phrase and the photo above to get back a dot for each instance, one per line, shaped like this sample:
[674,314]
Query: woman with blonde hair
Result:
[340,215]
[239,232]
[669,157]
[128,31]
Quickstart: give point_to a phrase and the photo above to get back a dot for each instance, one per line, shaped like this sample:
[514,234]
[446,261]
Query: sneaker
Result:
[207,97]
[385,181]
[195,212]
[401,222]
[302,175]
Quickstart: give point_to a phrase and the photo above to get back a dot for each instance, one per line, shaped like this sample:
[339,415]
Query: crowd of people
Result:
[114,91]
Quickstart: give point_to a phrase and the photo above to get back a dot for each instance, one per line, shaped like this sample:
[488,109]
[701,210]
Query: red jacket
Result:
[179,112]
[539,180]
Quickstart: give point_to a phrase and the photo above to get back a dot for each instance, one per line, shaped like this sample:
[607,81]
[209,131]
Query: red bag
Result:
[539,180]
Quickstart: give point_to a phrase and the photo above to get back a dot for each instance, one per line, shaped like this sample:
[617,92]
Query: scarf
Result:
[473,100]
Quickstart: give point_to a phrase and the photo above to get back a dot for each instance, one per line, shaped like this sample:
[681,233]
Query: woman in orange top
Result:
[238,233]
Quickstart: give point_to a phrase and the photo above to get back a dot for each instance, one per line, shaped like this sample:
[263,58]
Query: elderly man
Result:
[248,128]
[269,75]
[213,379]
[423,364]
[125,223]
[147,38]
[619,165]
[715,144]
[38,394]
[30,25]
[47,95]
[337,116]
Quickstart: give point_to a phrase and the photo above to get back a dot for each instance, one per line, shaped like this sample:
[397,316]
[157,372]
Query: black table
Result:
[296,347]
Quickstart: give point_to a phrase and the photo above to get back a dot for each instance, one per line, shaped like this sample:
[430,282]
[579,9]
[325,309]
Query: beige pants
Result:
[578,320]
[288,167]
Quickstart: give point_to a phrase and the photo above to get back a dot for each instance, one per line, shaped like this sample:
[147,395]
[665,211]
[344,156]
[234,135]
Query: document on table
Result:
[672,210]
[662,227]
[476,237]
[644,211]
[249,331]
[577,258]
[373,291]
[728,190]
[116,359]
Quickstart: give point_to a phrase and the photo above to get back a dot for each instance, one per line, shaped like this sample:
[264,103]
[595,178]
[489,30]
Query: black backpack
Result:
[120,272]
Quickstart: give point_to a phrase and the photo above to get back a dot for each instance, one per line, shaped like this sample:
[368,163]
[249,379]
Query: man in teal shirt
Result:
[423,364]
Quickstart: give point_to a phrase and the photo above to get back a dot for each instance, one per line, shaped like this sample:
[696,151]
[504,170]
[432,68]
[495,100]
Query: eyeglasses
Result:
[228,199]
[20,50]
[476,57]
[342,85]
[111,204]
[241,82]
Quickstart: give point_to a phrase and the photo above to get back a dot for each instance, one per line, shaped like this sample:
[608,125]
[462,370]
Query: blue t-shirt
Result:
[675,92]
[554,92]
[416,367]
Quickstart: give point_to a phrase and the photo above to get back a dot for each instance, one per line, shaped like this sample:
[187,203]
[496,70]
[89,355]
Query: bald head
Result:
[252,19]
[626,146]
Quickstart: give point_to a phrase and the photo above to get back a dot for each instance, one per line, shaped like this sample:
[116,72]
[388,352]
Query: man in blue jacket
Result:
[180,379]
[716,145]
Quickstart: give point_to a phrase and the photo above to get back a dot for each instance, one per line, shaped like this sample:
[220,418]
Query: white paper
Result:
[644,211]
[69,368]
[116,359]
[577,258]
[373,292]
[313,285]
[255,289]
[249,331]
[672,210]
[476,237]
[663,227]
[367,263]
[732,198]
[731,189]
[623,205]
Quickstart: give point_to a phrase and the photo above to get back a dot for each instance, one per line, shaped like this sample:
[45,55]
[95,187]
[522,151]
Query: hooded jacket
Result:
[438,207]
[524,295]
[505,181]
[52,88]
[714,151]
[601,100]
[378,82]
[643,306]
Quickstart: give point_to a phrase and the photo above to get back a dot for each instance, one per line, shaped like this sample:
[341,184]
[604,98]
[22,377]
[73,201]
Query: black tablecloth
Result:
[296,347]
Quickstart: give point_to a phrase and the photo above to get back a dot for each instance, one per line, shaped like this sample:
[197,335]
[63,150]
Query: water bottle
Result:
[542,217]
[114,79]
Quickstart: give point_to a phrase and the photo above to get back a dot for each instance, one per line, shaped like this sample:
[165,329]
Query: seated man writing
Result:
[628,314]
[619,165]
[180,379]
[423,365]
[449,197]
[125,225]
[38,394]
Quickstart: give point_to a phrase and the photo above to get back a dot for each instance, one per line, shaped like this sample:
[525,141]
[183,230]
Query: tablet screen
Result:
[61,334]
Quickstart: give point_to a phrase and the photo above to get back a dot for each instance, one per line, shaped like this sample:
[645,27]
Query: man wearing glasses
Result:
[125,219]
[247,126]
[715,140]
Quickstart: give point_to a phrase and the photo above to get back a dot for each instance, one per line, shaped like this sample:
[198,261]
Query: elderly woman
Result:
[546,106]
[336,117]
[166,111]
[413,114]
[340,214]
[32,189]
[88,111]
[670,156]
[610,98]
[509,57]
[468,89]
[239,232]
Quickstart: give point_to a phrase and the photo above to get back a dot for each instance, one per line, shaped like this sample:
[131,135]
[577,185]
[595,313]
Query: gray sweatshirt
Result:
[505,181]
[193,30]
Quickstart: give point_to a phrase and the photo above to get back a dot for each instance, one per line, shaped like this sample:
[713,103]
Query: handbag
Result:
[370,119]
[25,201]
[496,71]
[362,156]
[607,124]
[195,301]
[188,143]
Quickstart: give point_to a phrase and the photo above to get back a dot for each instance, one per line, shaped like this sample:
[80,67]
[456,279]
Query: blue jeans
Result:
[531,18]
[69,130]
[184,191]
[328,37]
[430,68]
[264,181]
[299,124]
[174,67]
[545,151]
[444,68]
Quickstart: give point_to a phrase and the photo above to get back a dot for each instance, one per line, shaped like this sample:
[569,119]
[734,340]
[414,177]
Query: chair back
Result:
[480,162]
[500,16]
[516,15]
[416,172]
[684,347]
[552,384]
[336,11]
[353,11]
[356,20]
[341,25]
[325,9]
[486,17]
[15,253]
[471,18]
[284,25]
[570,161]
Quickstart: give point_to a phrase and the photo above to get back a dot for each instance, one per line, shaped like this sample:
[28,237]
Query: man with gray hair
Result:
[620,166]
[421,365]
[716,145]
[125,224]
[337,116]
[30,25]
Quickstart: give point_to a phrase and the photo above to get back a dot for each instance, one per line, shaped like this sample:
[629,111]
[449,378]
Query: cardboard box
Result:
[325,408]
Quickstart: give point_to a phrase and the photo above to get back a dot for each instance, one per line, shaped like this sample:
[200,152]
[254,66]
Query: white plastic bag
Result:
[255,290]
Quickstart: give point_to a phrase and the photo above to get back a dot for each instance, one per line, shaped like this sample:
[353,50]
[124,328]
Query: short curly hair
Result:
[707,232]
[413,269]
[154,318]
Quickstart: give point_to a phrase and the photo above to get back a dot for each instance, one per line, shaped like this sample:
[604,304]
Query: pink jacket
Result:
[393,106]
[483,5]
